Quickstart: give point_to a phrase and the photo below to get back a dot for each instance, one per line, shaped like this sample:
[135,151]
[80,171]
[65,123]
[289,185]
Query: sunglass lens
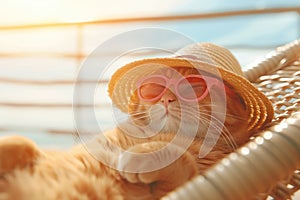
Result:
[152,88]
[192,88]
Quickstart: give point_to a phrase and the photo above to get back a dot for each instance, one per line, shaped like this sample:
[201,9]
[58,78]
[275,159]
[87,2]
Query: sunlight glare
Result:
[43,11]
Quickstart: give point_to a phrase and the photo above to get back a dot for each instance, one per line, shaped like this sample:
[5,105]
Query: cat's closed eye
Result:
[151,90]
[192,87]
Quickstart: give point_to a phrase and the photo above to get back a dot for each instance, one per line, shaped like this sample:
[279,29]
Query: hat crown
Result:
[212,54]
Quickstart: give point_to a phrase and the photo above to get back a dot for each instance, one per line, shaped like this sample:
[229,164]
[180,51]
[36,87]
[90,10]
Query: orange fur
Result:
[27,172]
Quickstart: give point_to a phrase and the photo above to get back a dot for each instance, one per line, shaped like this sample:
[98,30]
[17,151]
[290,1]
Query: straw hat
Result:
[206,57]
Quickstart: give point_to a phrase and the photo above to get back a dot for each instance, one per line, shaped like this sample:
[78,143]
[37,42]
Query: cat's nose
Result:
[168,98]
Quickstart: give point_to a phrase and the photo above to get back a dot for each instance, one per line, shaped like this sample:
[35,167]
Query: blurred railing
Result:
[81,25]
[160,18]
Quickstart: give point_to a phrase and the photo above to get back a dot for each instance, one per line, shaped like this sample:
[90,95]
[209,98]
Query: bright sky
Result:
[35,11]
[40,11]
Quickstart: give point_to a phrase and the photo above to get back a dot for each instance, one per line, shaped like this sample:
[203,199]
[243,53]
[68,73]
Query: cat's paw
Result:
[152,163]
[16,152]
[138,161]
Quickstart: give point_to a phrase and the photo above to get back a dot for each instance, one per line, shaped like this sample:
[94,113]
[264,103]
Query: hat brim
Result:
[123,84]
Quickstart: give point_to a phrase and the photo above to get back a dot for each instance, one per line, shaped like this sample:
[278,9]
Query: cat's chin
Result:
[163,118]
[174,121]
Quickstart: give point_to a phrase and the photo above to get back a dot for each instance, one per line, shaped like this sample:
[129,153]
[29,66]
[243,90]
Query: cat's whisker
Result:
[236,117]
[146,112]
[225,113]
[224,134]
[144,105]
[200,105]
[138,113]
[230,139]
[206,117]
[140,117]
[219,112]
[187,111]
[134,117]
[153,112]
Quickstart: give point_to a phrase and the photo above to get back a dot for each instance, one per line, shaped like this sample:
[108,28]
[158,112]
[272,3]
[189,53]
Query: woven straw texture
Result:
[268,167]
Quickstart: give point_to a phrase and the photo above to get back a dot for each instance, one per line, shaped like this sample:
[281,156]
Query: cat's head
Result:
[235,106]
[184,99]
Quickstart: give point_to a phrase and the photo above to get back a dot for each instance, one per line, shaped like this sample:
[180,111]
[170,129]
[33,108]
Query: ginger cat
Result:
[98,171]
